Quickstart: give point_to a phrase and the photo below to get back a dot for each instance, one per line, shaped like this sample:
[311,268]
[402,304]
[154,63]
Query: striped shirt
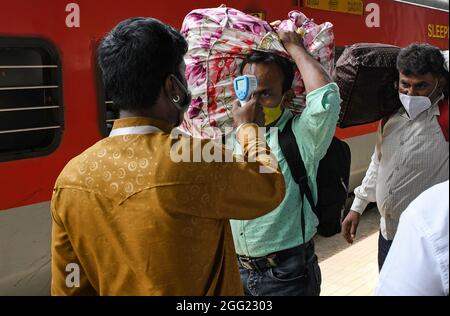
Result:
[413,157]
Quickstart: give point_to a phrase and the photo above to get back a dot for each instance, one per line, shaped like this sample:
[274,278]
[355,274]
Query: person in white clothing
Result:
[417,263]
[412,151]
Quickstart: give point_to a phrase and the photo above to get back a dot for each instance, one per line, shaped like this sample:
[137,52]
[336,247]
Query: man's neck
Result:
[127,113]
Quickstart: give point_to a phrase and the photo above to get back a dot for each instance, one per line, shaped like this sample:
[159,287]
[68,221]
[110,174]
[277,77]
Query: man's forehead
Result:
[268,74]
[413,78]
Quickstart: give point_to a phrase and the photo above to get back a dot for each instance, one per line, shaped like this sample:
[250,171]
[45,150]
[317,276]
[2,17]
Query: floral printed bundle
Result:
[219,40]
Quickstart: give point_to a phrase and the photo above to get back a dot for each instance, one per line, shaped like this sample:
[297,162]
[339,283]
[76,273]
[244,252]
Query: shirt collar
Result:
[284,118]
[142,121]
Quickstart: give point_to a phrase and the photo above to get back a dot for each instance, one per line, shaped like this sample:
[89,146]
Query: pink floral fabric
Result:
[219,40]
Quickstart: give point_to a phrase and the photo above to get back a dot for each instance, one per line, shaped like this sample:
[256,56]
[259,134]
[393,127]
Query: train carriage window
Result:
[31,111]
[442,5]
[107,112]
[110,114]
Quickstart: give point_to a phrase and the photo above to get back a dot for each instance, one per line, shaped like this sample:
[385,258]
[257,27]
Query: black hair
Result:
[286,66]
[136,57]
[420,59]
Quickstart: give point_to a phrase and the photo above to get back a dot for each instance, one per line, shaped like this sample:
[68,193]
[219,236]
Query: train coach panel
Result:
[52,104]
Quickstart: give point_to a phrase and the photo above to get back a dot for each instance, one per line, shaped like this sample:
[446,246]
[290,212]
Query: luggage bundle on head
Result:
[366,74]
[219,40]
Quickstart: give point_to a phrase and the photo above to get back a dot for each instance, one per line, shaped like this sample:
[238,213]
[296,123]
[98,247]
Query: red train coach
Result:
[52,104]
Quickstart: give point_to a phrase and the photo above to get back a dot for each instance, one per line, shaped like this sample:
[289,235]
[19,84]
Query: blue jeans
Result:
[383,248]
[291,277]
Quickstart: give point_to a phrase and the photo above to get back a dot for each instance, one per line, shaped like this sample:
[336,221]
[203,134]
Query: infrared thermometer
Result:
[244,86]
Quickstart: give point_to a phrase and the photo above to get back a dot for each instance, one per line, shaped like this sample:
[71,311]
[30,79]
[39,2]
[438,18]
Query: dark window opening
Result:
[112,114]
[107,112]
[31,110]
[433,4]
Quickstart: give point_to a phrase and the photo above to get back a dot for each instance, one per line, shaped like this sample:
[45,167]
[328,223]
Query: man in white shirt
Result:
[412,152]
[417,263]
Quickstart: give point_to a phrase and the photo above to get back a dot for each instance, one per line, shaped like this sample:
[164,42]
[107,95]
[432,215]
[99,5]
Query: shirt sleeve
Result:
[366,192]
[230,186]
[315,127]
[68,276]
[410,268]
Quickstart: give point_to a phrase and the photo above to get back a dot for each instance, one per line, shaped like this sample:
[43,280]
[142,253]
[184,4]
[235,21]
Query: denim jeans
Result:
[383,250]
[291,277]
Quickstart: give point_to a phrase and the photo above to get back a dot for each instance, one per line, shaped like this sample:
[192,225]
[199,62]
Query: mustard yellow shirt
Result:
[137,223]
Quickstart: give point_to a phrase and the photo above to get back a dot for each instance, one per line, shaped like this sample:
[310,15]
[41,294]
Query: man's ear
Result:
[396,85]
[169,87]
[441,83]
[439,89]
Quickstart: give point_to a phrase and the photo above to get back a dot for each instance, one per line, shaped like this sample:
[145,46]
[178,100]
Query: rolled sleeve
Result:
[316,126]
[321,100]
[359,205]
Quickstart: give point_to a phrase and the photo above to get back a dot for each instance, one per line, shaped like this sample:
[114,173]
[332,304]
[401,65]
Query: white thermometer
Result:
[244,86]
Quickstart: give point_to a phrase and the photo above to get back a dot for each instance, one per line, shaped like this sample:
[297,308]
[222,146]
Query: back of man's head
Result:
[285,65]
[420,59]
[136,57]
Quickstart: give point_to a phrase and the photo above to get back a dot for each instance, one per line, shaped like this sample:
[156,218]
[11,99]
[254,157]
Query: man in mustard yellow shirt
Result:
[128,219]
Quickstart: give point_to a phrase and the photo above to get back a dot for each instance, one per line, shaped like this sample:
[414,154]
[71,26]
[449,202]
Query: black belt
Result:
[274,259]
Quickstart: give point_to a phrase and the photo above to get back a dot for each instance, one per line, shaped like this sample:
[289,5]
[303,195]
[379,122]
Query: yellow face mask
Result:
[272,114]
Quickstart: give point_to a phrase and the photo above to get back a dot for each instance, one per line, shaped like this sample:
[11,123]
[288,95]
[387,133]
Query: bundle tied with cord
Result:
[219,40]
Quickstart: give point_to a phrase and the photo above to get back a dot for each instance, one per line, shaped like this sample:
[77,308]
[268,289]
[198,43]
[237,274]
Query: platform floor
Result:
[350,270]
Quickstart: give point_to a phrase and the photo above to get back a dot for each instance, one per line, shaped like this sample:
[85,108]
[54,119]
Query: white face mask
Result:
[414,105]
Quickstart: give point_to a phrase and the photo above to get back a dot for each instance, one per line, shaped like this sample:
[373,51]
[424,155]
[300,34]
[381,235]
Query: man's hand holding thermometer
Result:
[248,111]
[247,116]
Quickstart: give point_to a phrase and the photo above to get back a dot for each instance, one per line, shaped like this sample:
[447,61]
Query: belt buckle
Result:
[245,263]
[272,260]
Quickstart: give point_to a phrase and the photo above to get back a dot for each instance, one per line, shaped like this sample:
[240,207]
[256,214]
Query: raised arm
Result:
[313,74]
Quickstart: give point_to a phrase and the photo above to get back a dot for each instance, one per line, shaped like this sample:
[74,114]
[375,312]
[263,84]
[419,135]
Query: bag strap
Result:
[443,117]
[289,147]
